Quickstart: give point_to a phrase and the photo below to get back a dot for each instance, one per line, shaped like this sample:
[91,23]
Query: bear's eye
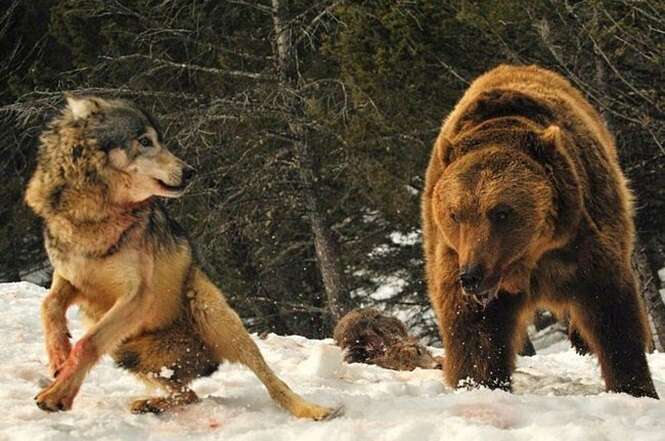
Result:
[145,141]
[454,217]
[500,213]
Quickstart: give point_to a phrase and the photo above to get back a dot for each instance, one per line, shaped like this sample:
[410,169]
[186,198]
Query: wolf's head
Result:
[99,152]
[133,144]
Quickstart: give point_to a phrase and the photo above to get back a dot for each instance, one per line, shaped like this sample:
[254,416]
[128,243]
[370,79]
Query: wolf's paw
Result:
[317,413]
[334,413]
[56,397]
[150,405]
[162,404]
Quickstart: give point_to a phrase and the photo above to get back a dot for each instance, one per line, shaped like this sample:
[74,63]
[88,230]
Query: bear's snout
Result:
[479,284]
[471,278]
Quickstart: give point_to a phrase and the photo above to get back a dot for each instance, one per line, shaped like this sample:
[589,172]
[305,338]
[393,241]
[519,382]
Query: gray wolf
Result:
[118,255]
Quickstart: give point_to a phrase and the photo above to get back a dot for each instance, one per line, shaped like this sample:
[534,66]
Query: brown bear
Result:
[525,206]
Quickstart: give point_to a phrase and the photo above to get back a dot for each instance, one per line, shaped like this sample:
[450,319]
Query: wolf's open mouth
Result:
[171,188]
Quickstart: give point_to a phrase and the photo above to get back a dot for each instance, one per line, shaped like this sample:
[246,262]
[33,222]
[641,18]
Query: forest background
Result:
[311,124]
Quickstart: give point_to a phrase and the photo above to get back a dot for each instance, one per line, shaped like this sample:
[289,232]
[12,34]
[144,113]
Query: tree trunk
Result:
[325,245]
[650,284]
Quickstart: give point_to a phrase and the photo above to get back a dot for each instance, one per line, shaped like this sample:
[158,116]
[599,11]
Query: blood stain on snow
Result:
[485,414]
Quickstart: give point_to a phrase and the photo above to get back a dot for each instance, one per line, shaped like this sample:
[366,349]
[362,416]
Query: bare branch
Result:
[253,5]
[194,67]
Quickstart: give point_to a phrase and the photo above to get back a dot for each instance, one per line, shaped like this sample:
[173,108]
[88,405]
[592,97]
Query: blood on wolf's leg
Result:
[54,321]
[83,354]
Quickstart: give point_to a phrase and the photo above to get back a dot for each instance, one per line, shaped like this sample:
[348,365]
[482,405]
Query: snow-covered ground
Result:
[558,396]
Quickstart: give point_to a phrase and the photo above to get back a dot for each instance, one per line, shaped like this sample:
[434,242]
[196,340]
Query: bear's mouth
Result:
[486,297]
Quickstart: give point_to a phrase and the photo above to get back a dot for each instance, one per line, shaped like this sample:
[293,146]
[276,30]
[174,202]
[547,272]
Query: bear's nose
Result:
[470,278]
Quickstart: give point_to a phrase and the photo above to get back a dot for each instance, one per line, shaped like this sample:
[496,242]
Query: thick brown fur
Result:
[524,186]
[118,255]
[368,336]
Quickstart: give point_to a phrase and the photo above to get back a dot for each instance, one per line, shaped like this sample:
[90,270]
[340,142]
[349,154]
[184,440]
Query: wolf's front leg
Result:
[54,322]
[119,322]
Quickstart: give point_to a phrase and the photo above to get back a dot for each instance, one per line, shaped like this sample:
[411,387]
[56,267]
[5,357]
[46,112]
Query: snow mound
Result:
[558,395]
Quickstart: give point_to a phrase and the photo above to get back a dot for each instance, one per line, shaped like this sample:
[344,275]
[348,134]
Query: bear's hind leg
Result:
[576,341]
[611,320]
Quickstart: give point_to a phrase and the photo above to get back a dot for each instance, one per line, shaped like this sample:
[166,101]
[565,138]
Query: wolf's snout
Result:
[471,278]
[188,173]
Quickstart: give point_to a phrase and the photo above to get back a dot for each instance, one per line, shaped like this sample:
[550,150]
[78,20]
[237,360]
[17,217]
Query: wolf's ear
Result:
[81,107]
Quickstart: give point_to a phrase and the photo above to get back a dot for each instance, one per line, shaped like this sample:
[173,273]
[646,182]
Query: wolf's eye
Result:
[454,217]
[145,141]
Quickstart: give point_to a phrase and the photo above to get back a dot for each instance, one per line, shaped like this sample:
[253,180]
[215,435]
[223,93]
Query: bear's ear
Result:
[552,135]
[551,149]
[553,154]
[444,149]
[82,107]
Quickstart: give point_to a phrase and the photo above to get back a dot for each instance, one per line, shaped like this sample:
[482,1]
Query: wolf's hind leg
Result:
[169,358]
[226,336]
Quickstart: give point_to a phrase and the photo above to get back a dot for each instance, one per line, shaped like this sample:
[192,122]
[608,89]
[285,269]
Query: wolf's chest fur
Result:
[135,262]
[100,281]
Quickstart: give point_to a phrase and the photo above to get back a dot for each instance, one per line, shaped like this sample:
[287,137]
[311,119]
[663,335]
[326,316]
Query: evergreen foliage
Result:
[372,82]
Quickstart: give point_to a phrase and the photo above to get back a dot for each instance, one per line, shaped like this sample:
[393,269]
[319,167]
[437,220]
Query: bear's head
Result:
[501,202]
